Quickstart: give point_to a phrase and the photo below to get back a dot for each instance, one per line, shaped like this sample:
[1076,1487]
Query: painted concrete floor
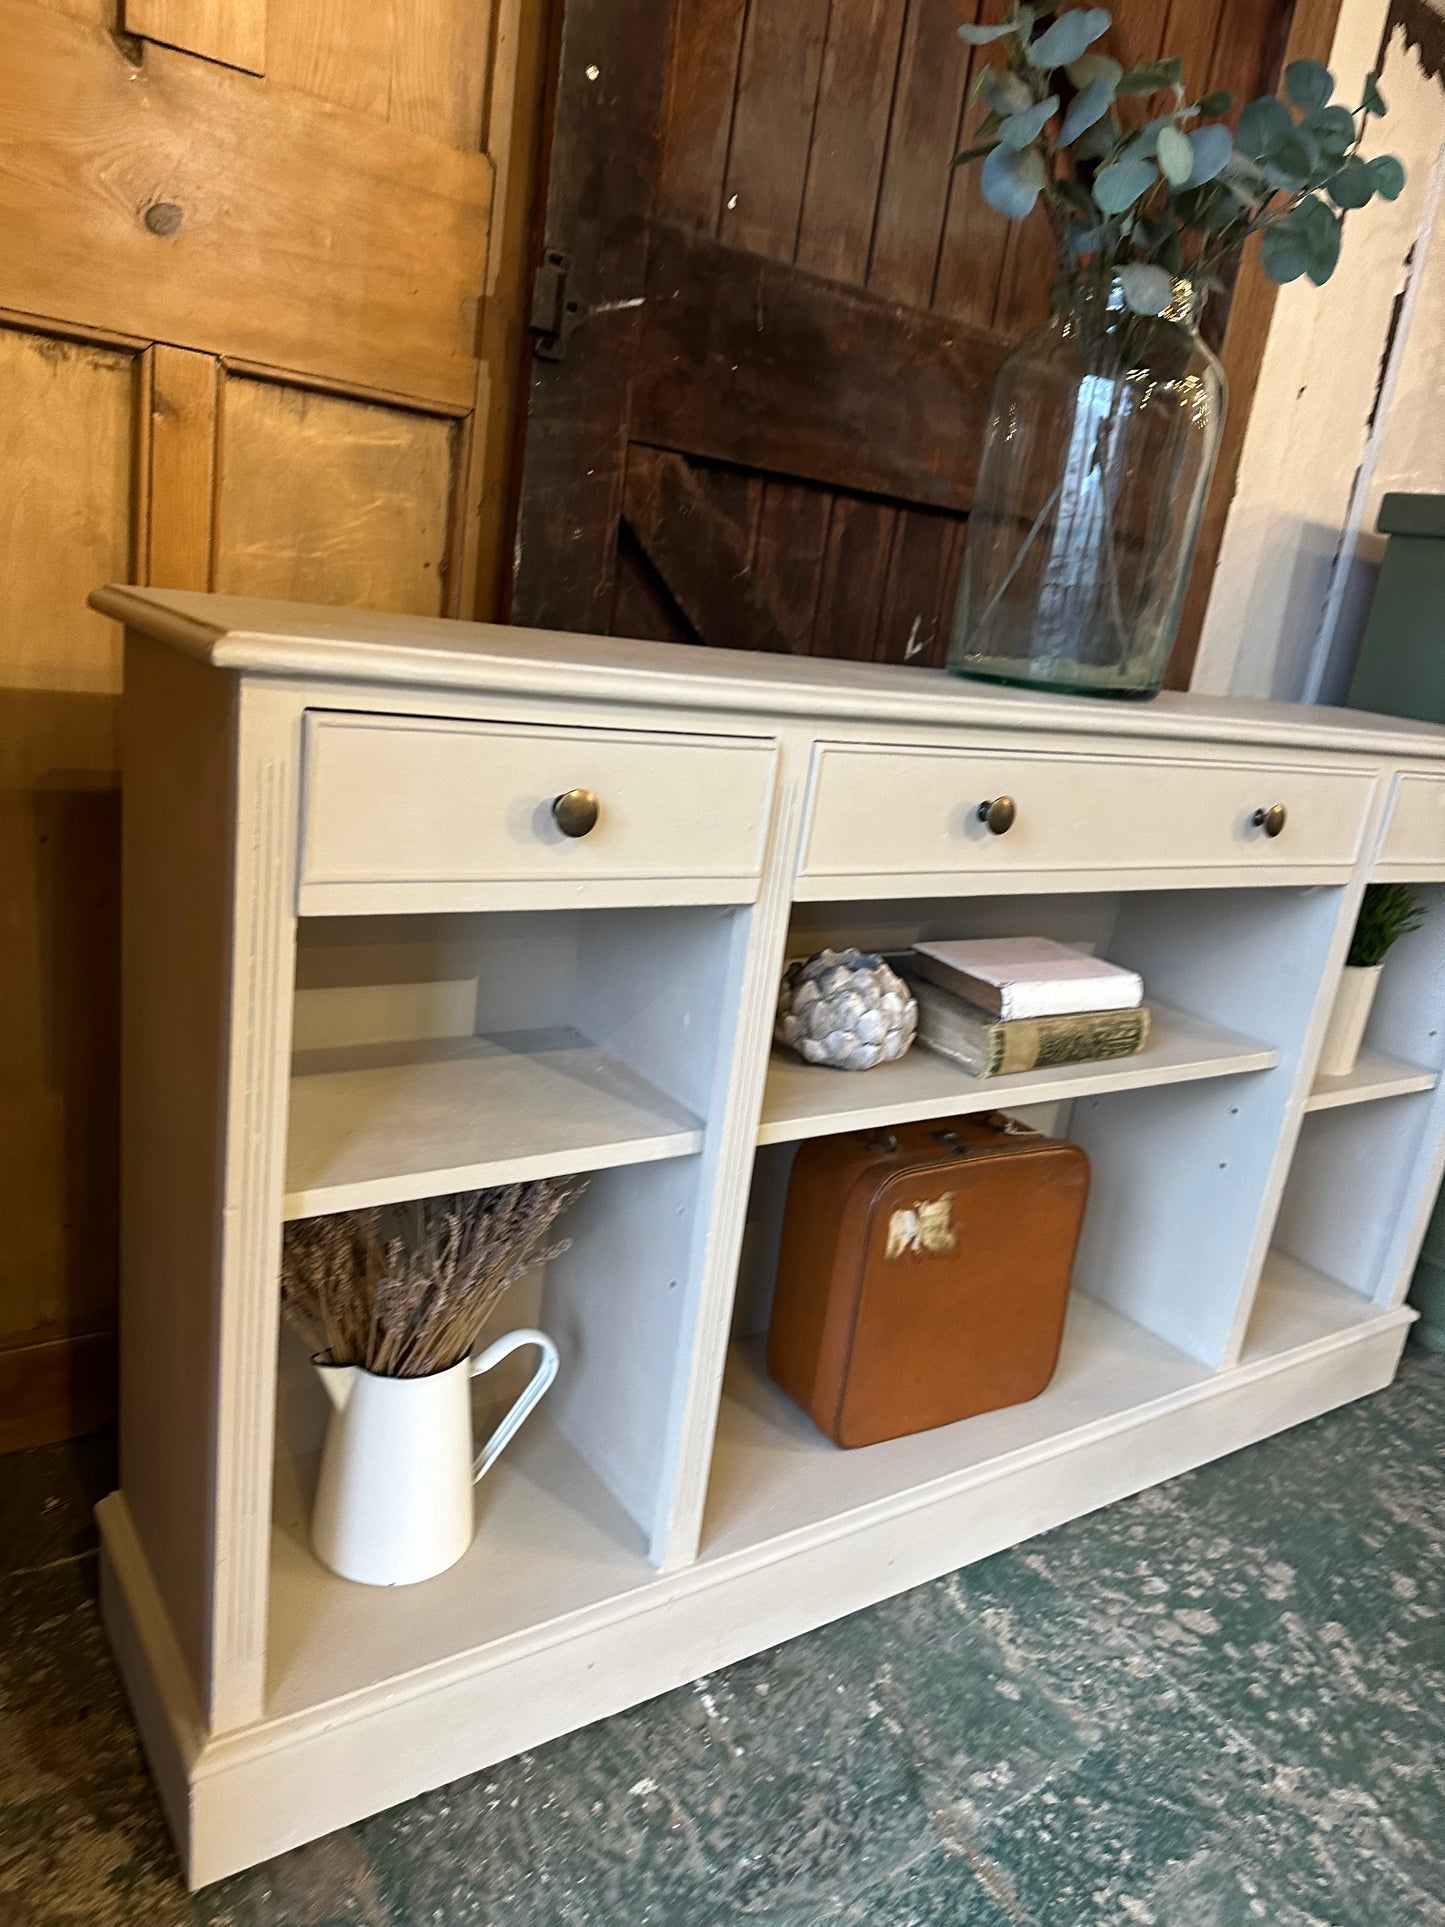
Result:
[1217,1704]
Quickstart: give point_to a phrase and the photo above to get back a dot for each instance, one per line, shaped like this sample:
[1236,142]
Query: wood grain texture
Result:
[66,435]
[772,131]
[57,1388]
[416,64]
[232,32]
[933,73]
[707,38]
[283,229]
[326,500]
[850,131]
[753,362]
[514,130]
[601,183]
[178,395]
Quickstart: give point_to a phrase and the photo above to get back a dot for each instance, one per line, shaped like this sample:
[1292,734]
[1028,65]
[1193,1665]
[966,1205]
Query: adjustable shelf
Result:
[808,1100]
[377,1123]
[1374,1076]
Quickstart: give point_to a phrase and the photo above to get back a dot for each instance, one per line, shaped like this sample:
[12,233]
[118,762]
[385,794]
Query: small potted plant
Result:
[1388,913]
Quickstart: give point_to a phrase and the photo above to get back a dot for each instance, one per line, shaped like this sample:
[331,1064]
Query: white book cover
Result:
[1028,976]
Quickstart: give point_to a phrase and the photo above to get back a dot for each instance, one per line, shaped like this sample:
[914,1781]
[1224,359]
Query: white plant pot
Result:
[394,1496]
[1351,1013]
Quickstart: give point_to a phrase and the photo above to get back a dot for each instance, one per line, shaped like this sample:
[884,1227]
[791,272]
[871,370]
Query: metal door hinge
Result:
[556,306]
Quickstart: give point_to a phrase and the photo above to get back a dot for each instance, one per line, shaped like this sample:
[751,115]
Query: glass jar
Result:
[1102,432]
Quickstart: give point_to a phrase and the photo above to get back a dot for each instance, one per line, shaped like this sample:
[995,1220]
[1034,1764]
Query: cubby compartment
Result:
[575,1511]
[435,1054]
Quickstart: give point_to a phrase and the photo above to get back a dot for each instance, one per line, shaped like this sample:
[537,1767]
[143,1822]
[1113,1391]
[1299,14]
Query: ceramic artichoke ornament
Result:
[845,1008]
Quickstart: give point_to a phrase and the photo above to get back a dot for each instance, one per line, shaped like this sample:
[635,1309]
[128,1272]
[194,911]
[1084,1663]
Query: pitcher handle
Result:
[536,1386]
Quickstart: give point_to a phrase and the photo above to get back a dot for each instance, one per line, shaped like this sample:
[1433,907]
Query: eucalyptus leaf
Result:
[1095,66]
[1176,163]
[1333,131]
[1069,37]
[1210,149]
[1324,249]
[1076,196]
[1147,289]
[982,36]
[1389,175]
[1263,124]
[1372,101]
[1353,185]
[1296,157]
[1151,76]
[1283,254]
[1219,101]
[1121,183]
[1005,93]
[1012,179]
[1144,145]
[1308,84]
[1020,129]
[1089,105]
[1084,238]
[974,153]
[1097,143]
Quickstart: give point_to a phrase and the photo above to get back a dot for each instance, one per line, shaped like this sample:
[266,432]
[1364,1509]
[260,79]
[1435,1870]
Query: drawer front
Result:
[916,813]
[415,800]
[1417,823]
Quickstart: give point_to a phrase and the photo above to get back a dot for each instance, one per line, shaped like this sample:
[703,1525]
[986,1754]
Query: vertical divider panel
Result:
[1187,1180]
[727,1163]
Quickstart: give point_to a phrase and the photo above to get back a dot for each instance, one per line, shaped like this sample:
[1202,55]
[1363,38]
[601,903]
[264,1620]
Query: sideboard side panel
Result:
[179,722]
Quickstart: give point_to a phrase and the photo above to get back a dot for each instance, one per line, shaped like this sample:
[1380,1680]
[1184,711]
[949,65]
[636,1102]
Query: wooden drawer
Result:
[1415,839]
[429,807]
[915,813]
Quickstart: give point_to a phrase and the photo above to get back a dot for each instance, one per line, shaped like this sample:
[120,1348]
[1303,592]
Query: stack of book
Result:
[997,1005]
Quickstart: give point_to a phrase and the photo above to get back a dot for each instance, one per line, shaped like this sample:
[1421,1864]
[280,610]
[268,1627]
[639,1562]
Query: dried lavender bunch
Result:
[404,1290]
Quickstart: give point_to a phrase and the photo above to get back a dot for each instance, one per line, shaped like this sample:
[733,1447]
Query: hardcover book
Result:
[1012,977]
[993,1047]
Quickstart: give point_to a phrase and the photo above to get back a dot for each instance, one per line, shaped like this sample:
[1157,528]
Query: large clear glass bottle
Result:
[1102,432]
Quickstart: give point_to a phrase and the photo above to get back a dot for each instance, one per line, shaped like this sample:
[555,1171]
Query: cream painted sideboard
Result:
[363,963]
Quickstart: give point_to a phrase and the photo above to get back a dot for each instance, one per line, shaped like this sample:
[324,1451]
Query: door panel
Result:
[327,499]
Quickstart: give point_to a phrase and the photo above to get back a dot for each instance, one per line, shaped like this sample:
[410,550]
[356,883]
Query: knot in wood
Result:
[164,217]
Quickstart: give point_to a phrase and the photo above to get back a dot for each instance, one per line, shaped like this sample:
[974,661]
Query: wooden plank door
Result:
[758,425]
[243,346]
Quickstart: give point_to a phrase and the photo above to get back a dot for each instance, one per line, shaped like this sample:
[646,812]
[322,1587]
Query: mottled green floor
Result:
[1218,1704]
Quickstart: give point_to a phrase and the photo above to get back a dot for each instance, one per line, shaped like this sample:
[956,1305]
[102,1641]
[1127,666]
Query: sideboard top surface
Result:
[295,639]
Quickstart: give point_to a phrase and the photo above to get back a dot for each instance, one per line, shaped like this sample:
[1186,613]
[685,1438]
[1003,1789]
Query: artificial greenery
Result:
[1388,913]
[1177,195]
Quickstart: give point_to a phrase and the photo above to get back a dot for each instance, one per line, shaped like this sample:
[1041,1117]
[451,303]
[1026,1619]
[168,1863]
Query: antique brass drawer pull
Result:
[1272,820]
[999,813]
[575,812]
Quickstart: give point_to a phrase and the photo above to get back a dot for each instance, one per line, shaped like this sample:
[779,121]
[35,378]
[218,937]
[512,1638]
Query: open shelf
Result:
[775,1474]
[1298,1306]
[1374,1075]
[807,1100]
[376,1123]
[551,1541]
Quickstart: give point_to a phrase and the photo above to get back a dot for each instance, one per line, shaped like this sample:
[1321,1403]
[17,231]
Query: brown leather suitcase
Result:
[923,1273]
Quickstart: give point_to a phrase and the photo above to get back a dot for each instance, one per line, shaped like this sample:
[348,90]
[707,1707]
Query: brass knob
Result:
[1272,820]
[998,813]
[575,812]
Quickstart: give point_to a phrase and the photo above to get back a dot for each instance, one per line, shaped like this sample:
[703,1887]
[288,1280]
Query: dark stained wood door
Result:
[781,310]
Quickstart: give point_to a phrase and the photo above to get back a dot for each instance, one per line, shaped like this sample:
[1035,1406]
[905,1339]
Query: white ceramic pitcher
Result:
[394,1496]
